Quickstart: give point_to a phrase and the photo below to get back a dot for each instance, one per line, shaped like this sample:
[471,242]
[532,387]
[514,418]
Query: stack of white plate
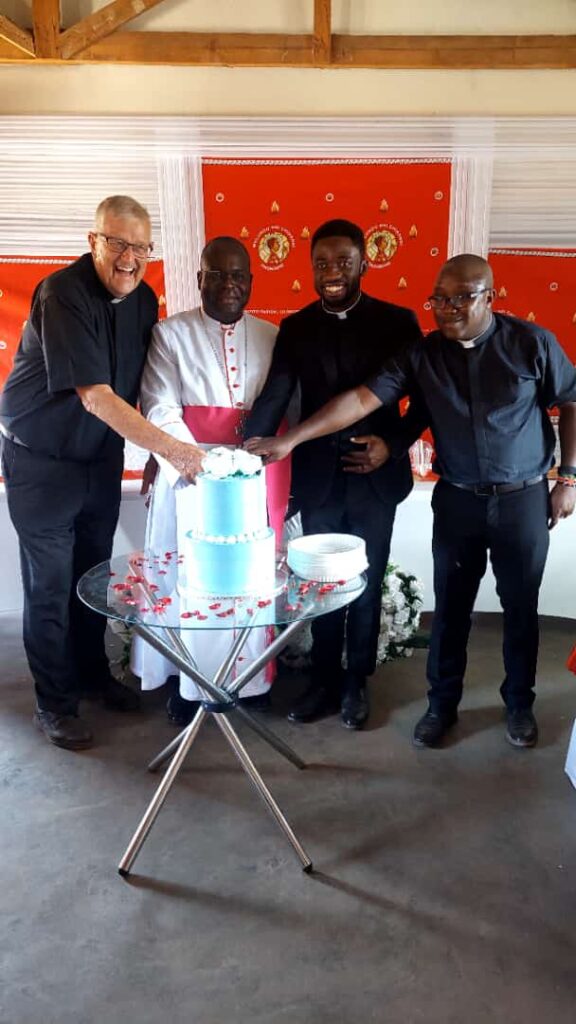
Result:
[327,557]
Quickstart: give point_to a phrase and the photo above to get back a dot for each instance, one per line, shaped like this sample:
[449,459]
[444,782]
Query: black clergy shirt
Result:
[77,335]
[487,404]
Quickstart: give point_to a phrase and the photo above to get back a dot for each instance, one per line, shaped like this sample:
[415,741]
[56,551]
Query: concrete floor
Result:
[445,884]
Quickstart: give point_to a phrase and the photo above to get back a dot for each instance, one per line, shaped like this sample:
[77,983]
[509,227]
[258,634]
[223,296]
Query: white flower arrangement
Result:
[399,620]
[399,614]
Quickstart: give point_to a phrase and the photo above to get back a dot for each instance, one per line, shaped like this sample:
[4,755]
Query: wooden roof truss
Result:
[95,39]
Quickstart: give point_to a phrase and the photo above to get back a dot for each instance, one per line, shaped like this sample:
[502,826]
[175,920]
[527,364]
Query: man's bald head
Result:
[462,297]
[224,278]
[468,266]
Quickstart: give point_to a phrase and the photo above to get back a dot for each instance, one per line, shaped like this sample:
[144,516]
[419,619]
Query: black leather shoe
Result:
[432,727]
[66,731]
[355,707]
[316,702]
[258,702]
[116,696]
[521,728]
[181,712]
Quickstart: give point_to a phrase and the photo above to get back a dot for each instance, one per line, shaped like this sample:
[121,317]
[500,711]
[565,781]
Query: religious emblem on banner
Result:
[273,245]
[382,244]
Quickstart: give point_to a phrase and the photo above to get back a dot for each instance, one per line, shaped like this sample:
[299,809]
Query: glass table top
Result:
[151,589]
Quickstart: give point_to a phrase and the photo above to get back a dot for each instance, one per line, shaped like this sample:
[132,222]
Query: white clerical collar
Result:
[471,342]
[341,313]
[216,325]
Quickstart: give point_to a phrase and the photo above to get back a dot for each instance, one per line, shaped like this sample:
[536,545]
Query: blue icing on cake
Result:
[231,549]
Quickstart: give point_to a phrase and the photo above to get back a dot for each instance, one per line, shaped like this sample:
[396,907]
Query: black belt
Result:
[487,490]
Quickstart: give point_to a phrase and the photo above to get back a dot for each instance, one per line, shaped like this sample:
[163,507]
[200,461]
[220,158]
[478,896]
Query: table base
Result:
[222,691]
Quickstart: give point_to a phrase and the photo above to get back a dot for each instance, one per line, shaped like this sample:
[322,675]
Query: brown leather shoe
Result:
[66,731]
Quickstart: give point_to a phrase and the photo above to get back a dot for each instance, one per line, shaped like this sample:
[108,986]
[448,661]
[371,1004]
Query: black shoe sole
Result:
[521,744]
[423,744]
[354,726]
[308,719]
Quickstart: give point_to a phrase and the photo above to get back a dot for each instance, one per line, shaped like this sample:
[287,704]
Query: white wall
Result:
[410,549]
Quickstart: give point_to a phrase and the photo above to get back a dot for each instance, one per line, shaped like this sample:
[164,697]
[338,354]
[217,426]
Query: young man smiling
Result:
[338,484]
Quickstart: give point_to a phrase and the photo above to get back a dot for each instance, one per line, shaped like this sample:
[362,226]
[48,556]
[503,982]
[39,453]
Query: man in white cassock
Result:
[204,370]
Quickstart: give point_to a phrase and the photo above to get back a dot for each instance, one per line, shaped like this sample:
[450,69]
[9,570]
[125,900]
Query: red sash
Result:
[212,424]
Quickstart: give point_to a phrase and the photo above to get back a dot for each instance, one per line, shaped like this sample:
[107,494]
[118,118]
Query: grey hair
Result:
[120,206]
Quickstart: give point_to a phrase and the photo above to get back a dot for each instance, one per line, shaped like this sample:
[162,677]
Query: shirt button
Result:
[234,368]
[231,349]
[235,385]
[239,404]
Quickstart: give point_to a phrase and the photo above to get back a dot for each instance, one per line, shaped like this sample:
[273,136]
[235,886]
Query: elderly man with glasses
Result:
[66,408]
[486,382]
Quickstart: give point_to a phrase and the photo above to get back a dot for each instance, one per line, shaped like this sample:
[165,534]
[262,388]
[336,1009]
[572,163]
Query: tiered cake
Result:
[230,549]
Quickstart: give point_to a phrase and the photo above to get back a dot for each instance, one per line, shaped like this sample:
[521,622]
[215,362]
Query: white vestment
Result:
[195,361]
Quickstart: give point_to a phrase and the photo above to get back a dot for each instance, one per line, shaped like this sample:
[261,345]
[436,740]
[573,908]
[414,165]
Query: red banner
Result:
[274,208]
[538,285]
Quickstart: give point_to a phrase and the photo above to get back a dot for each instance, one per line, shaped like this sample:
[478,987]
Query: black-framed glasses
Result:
[456,301]
[219,276]
[119,245]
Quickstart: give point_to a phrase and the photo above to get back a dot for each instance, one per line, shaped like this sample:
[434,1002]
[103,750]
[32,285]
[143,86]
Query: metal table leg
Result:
[261,788]
[177,652]
[266,734]
[160,795]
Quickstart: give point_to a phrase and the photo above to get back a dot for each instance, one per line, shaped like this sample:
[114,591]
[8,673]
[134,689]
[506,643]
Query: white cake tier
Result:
[327,557]
[230,570]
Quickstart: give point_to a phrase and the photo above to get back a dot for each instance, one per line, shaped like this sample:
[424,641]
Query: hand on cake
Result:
[271,449]
[187,459]
[374,454]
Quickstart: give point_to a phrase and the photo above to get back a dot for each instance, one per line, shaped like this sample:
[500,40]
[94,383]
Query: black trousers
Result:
[352,507]
[513,529]
[65,515]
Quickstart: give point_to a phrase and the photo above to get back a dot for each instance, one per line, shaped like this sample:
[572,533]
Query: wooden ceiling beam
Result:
[15,36]
[96,39]
[46,27]
[235,49]
[377,52]
[322,32]
[100,24]
[454,52]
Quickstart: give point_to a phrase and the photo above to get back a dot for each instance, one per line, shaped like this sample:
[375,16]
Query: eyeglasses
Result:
[342,263]
[456,301]
[119,245]
[219,276]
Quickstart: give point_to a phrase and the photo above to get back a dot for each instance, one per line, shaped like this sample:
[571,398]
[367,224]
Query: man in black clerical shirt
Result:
[485,382]
[64,413]
[338,484]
